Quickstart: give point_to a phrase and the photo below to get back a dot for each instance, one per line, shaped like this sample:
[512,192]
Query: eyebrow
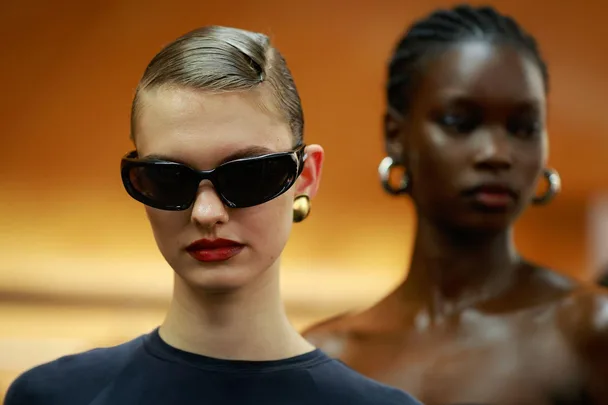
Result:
[522,106]
[522,103]
[251,151]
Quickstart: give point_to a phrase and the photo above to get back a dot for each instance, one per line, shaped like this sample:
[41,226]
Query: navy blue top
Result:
[148,371]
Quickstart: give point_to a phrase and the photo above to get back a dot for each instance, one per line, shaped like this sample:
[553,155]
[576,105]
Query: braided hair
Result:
[443,28]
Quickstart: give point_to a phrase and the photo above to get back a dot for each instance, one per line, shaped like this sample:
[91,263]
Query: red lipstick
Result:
[214,250]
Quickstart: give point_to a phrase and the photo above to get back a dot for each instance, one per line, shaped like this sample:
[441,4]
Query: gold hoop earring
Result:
[301,208]
[555,186]
[384,171]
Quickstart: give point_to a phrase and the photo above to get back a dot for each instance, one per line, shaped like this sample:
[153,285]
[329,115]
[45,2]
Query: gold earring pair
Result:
[301,208]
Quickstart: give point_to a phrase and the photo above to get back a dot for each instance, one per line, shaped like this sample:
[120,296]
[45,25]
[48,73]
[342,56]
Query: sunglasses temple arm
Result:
[301,164]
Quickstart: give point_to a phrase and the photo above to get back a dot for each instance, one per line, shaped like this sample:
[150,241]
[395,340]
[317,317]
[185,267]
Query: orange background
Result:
[79,265]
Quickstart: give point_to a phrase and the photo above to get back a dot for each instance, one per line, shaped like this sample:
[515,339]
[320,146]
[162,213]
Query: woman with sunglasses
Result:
[222,170]
[474,323]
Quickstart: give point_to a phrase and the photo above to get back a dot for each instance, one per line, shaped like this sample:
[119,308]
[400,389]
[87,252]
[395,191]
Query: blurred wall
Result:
[79,265]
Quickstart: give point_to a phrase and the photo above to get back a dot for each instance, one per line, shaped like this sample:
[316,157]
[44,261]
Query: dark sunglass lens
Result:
[164,185]
[251,182]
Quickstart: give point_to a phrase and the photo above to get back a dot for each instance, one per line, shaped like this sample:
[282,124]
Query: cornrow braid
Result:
[447,27]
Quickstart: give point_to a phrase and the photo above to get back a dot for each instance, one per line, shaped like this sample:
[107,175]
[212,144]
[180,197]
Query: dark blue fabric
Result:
[147,371]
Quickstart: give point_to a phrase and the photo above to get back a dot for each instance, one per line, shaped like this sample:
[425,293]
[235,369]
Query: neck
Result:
[451,270]
[247,324]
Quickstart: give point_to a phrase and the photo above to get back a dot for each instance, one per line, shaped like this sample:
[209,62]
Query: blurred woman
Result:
[474,322]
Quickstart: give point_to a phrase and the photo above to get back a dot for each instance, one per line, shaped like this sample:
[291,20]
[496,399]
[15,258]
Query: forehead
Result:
[484,71]
[198,126]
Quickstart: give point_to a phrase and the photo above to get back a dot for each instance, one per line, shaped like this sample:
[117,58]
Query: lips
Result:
[214,250]
[492,196]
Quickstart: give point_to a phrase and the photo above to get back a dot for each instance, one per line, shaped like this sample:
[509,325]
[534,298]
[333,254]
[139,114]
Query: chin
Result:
[219,278]
[486,222]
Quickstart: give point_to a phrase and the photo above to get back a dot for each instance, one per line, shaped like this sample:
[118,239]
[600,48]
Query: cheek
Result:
[166,225]
[531,173]
[434,163]
[266,227]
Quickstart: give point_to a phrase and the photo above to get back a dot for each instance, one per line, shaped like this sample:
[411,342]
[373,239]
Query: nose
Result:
[494,150]
[208,209]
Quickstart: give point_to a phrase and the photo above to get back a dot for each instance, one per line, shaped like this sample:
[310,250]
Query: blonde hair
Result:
[220,59]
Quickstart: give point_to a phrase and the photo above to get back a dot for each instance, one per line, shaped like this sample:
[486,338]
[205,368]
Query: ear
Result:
[309,180]
[393,137]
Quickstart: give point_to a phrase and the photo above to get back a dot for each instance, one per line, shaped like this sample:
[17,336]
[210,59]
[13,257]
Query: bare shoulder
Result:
[582,307]
[583,320]
[551,281]
[330,335]
[583,316]
[541,286]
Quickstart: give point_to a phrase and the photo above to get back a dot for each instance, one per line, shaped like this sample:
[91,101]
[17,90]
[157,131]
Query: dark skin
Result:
[474,322]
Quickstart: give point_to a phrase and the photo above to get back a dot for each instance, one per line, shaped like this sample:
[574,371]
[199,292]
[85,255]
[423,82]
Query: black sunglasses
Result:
[239,183]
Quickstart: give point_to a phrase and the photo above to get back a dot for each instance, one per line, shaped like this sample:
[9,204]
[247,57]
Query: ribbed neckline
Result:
[157,347]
